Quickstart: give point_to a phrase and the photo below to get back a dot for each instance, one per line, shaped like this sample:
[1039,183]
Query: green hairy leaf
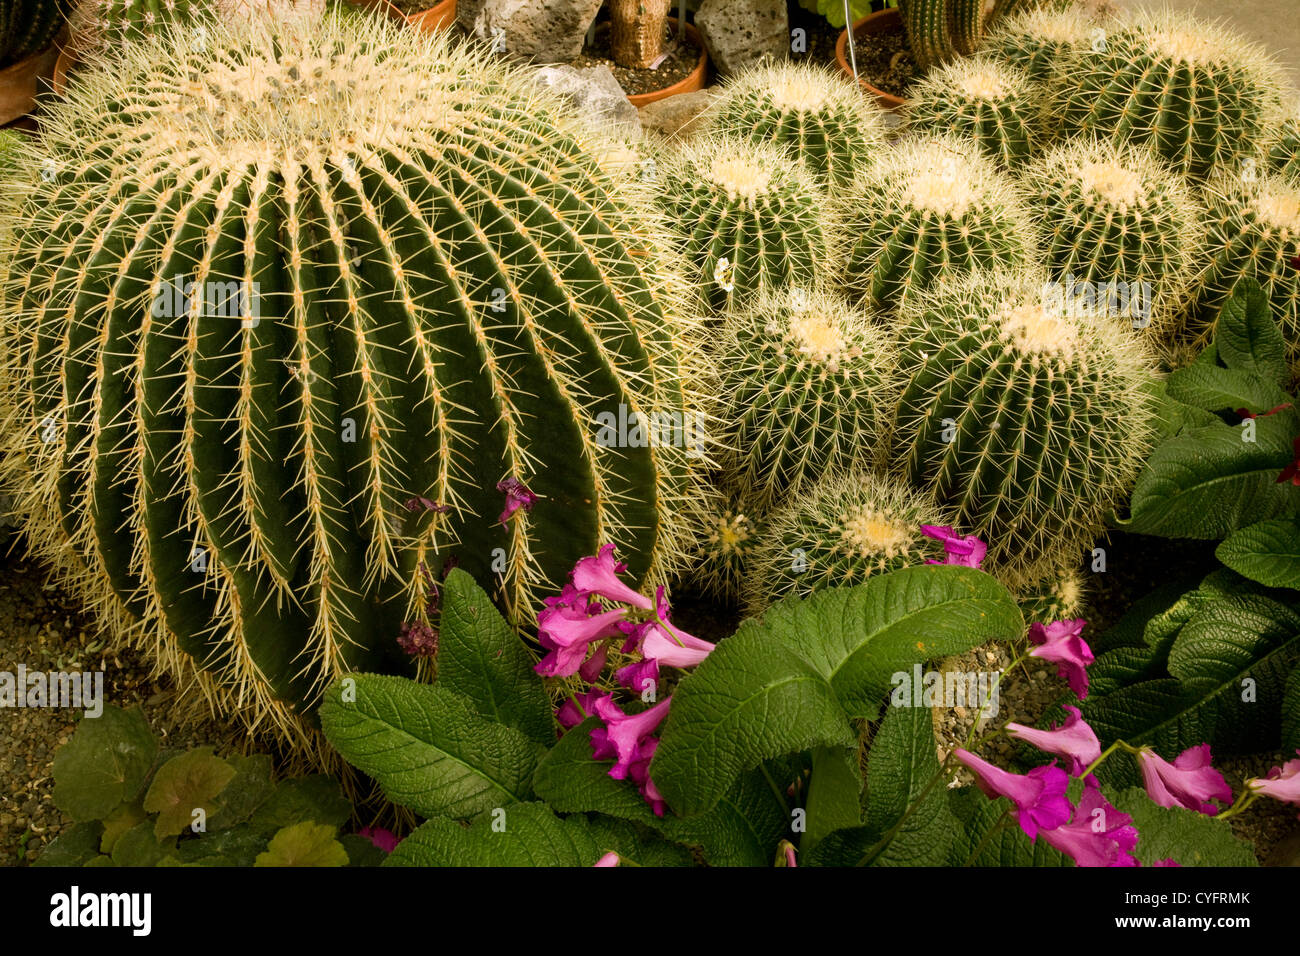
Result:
[427,747]
[1247,339]
[1267,552]
[104,764]
[1185,836]
[184,784]
[523,834]
[793,678]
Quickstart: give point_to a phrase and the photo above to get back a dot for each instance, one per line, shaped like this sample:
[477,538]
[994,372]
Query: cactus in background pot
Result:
[1031,422]
[928,209]
[29,26]
[291,331]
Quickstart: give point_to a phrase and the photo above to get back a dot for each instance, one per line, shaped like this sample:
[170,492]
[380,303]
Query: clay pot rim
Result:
[436,17]
[690,83]
[887,100]
[22,78]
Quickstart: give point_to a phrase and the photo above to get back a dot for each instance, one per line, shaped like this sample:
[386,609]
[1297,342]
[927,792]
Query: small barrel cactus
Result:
[1037,40]
[807,383]
[1117,220]
[29,26]
[726,535]
[1060,596]
[752,217]
[993,103]
[820,116]
[291,331]
[1030,421]
[928,209]
[839,532]
[1254,232]
[1199,95]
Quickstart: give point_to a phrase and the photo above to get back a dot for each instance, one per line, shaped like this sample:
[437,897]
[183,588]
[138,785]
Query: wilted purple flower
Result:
[623,735]
[1039,795]
[576,709]
[425,504]
[1188,782]
[418,640]
[1073,740]
[1062,643]
[517,496]
[634,676]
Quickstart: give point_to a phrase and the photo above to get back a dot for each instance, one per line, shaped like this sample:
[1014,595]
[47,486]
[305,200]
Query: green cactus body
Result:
[839,532]
[1061,596]
[29,26]
[1115,217]
[107,24]
[726,537]
[930,28]
[751,216]
[1254,232]
[993,103]
[818,115]
[928,209]
[274,336]
[1284,148]
[1029,421]
[806,382]
[1038,40]
[1200,96]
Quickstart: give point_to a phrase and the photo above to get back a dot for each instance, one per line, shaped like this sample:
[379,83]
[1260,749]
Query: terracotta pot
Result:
[693,80]
[20,82]
[871,24]
[438,17]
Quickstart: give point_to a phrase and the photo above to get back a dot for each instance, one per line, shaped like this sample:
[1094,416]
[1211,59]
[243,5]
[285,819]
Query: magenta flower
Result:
[967,552]
[639,771]
[599,575]
[575,710]
[1167,861]
[517,496]
[1098,834]
[590,670]
[418,640]
[1061,643]
[425,504]
[1282,783]
[567,636]
[1039,795]
[658,640]
[609,859]
[623,736]
[1073,740]
[386,840]
[1188,782]
[634,676]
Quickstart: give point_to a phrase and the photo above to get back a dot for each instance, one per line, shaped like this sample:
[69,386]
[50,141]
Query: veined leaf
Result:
[987,836]
[834,794]
[1225,389]
[1188,837]
[481,658]
[902,764]
[104,764]
[1291,712]
[1267,552]
[792,679]
[1247,338]
[428,747]
[1207,482]
[304,844]
[523,834]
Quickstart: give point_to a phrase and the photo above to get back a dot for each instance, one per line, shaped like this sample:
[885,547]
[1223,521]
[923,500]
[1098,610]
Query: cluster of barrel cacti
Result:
[1066,202]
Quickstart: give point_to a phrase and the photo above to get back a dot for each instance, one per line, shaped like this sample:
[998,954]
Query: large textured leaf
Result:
[743,829]
[1267,552]
[317,798]
[428,747]
[184,785]
[1247,339]
[902,764]
[1224,389]
[75,846]
[834,794]
[978,843]
[104,764]
[1187,837]
[790,680]
[524,834]
[1291,712]
[481,658]
[637,844]
[1207,482]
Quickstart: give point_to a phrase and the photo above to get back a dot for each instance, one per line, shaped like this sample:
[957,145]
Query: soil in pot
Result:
[819,36]
[681,58]
[412,7]
[885,62]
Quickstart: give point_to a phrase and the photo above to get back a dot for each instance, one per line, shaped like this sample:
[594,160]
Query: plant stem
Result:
[996,828]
